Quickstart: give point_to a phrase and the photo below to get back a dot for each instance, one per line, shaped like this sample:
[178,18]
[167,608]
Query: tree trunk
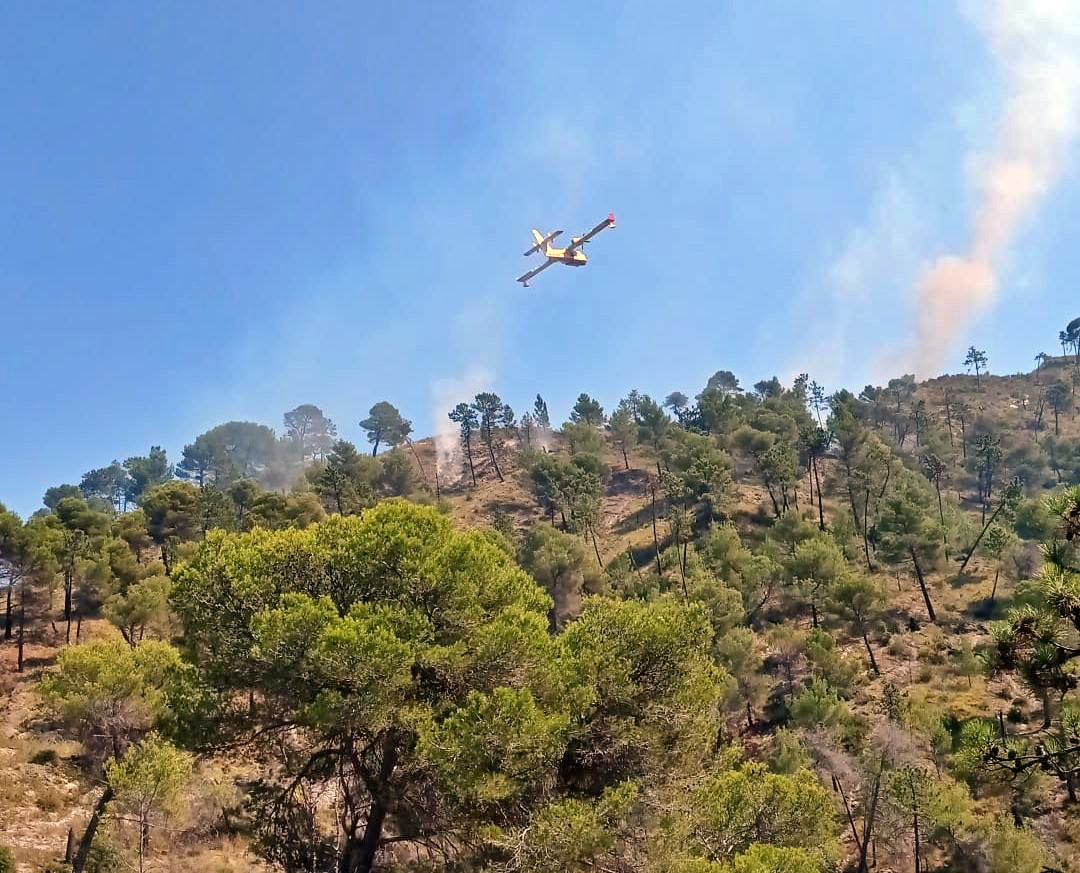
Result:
[813,612]
[772,497]
[359,855]
[868,823]
[915,826]
[83,855]
[1070,786]
[596,549]
[1047,708]
[655,534]
[820,506]
[851,500]
[68,584]
[625,459]
[10,615]
[375,448]
[749,715]
[941,512]
[982,533]
[866,531]
[993,593]
[22,622]
[922,583]
[839,786]
[491,453]
[870,652]
[682,570]
[468,454]
[144,843]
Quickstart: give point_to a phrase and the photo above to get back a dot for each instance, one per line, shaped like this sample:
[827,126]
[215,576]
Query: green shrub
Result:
[106,855]
[818,706]
[786,753]
[7,860]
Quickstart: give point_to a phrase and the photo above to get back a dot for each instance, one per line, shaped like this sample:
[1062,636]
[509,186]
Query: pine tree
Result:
[540,413]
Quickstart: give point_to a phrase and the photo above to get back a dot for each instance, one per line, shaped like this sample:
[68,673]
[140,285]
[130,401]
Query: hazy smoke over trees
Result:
[1036,44]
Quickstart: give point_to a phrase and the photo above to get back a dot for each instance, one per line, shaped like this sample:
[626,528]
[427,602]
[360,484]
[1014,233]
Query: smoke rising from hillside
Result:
[1036,44]
[445,395]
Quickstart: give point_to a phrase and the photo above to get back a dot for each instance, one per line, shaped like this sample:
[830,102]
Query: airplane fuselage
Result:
[575,258]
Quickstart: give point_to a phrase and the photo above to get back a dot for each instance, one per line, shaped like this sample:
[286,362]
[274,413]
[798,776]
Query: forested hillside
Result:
[758,629]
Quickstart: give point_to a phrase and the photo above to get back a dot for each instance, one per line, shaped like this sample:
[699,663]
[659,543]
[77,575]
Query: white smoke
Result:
[445,395]
[542,439]
[1036,44]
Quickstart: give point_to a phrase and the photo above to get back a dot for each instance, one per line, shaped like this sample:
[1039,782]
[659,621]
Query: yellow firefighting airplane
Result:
[572,255]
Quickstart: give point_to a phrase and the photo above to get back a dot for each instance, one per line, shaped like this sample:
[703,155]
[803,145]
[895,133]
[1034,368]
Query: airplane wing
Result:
[606,223]
[524,278]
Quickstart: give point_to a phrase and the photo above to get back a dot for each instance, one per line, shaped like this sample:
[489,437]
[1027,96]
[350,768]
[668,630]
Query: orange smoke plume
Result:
[1037,46]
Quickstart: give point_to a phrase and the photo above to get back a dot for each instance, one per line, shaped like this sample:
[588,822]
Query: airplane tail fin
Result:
[541,243]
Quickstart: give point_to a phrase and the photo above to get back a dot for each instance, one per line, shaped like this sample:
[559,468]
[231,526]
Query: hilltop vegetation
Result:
[749,631]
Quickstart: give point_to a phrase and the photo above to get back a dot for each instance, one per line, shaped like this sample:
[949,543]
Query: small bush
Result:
[105,857]
[48,799]
[820,706]
[786,753]
[7,860]
[900,647]
[932,646]
[45,756]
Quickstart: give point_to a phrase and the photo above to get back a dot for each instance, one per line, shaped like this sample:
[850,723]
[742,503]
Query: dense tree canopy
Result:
[662,638]
[385,424]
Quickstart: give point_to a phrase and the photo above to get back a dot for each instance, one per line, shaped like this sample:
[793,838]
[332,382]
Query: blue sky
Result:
[220,211]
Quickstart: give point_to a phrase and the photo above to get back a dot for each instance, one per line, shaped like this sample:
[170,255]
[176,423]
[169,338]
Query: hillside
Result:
[808,549]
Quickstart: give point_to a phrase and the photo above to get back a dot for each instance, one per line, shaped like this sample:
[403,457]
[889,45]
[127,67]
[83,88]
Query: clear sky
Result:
[220,211]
